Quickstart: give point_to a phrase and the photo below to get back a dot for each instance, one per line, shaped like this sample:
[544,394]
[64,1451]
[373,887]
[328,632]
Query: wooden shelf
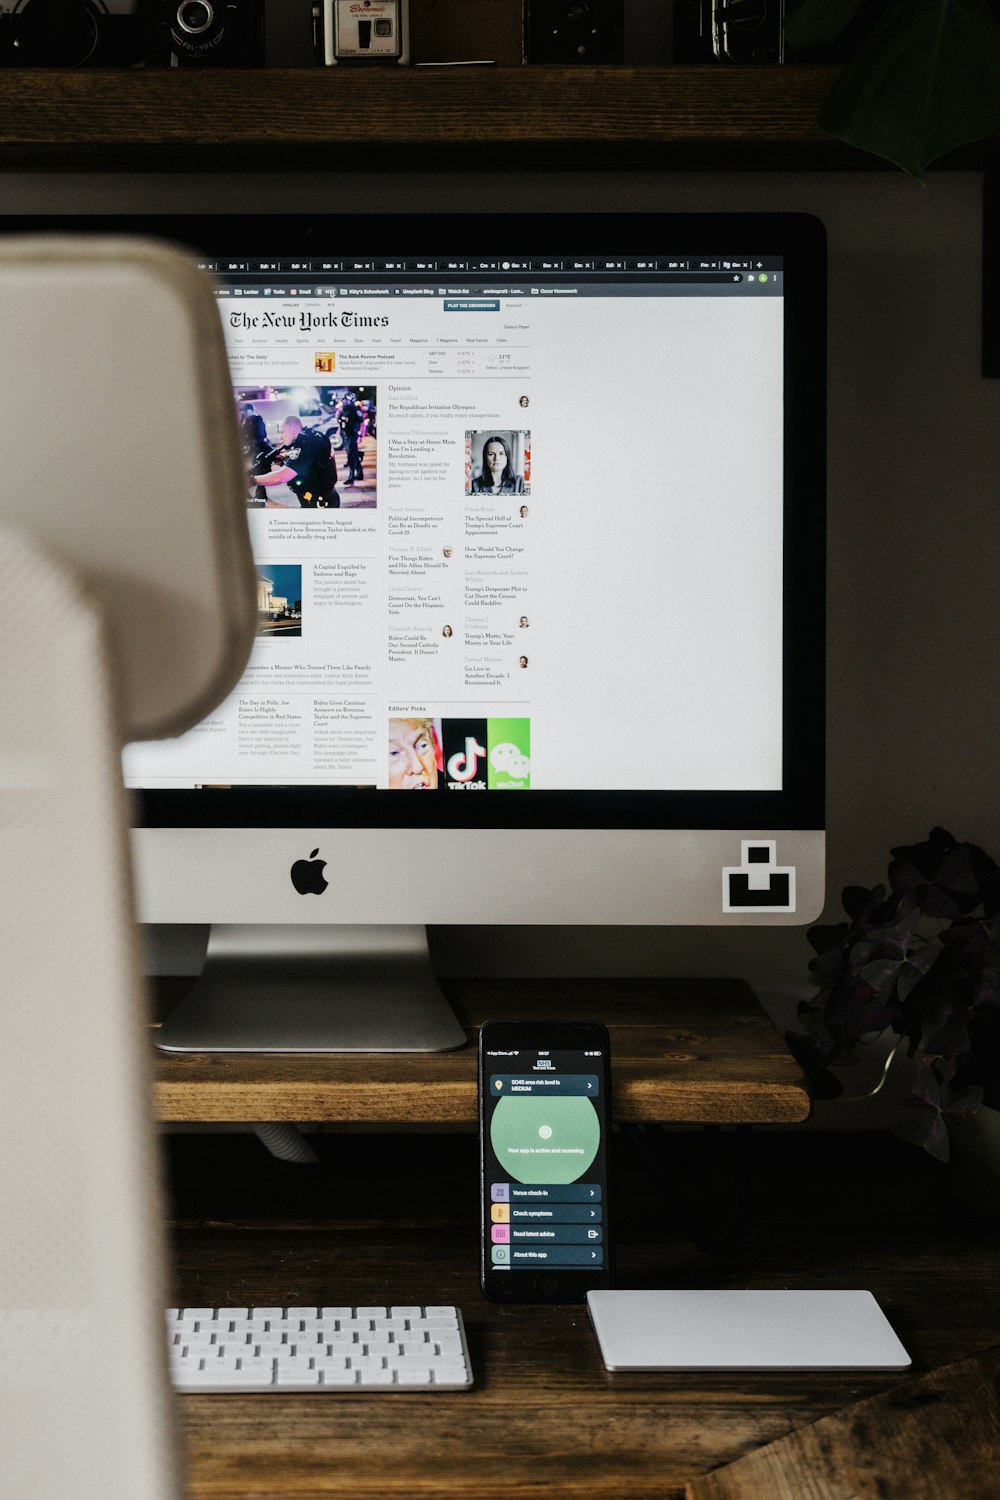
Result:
[427,119]
[683,1050]
[345,119]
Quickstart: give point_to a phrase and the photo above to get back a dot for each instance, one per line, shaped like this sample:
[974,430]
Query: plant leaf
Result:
[962,1107]
[926,1088]
[823,938]
[860,903]
[881,975]
[926,1128]
[926,80]
[917,966]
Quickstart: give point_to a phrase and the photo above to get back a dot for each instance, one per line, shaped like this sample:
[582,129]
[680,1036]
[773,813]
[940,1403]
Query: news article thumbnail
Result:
[309,447]
[498,463]
[456,754]
[279,600]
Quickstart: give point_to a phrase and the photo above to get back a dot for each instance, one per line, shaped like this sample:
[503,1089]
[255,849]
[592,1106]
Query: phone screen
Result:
[543,1120]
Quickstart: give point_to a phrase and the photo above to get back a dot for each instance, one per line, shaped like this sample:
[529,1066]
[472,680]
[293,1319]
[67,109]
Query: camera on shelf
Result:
[737,31]
[208,33]
[73,33]
[366,31]
[584,31]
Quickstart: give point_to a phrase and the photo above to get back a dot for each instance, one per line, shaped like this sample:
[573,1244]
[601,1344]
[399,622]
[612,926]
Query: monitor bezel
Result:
[801,242]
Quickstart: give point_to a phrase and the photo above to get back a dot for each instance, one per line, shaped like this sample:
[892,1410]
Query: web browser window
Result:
[517,525]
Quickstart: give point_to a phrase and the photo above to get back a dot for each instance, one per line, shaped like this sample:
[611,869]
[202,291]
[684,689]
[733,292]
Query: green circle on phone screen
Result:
[545,1140]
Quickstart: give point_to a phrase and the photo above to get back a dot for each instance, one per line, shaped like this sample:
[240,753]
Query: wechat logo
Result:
[510,760]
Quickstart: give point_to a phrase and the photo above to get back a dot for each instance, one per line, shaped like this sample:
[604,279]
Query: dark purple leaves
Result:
[922,959]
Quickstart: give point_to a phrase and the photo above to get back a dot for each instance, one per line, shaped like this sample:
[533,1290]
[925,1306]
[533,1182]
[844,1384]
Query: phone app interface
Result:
[545,1159]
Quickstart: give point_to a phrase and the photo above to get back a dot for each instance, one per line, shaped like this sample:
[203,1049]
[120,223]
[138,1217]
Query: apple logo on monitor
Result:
[307,875]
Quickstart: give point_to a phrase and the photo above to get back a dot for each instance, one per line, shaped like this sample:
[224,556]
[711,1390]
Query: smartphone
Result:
[544,1124]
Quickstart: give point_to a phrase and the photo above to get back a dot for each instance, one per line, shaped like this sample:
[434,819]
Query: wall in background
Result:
[914,514]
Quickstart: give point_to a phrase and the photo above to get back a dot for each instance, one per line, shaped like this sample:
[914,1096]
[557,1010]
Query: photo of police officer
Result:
[253,432]
[309,447]
[304,464]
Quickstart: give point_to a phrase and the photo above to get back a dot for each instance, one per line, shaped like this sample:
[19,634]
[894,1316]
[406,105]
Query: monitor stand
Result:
[323,988]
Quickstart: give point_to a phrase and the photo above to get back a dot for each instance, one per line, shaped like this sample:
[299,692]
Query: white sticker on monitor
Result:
[758,883]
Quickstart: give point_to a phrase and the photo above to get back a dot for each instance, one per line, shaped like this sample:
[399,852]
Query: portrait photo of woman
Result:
[497,463]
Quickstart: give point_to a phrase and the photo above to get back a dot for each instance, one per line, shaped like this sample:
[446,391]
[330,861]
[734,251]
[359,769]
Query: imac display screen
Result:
[536,505]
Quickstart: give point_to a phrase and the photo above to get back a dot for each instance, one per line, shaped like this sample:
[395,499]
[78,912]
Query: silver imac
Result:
[537,507]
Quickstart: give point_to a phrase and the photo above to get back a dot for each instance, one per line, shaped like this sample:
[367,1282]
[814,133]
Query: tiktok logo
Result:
[463,765]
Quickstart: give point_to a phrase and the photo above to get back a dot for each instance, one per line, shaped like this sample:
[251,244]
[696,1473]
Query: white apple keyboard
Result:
[249,1349]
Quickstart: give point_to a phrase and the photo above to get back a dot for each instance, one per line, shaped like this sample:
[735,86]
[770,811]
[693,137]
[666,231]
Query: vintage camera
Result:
[566,31]
[73,33]
[209,33]
[739,31]
[366,31]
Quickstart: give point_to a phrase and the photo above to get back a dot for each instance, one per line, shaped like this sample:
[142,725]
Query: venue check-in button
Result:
[570,1192]
[500,1192]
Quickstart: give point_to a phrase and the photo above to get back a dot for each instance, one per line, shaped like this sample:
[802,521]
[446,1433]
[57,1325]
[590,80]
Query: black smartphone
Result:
[544,1125]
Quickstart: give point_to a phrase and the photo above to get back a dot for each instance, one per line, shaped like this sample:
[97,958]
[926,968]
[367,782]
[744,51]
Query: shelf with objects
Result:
[697,1050]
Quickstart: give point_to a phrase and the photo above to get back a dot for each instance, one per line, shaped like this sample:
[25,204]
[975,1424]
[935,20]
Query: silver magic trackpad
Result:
[744,1330]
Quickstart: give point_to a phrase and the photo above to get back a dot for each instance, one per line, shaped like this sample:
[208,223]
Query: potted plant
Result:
[922,76]
[918,957]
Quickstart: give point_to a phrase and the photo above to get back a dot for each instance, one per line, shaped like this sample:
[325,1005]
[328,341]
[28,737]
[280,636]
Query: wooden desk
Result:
[396,1216]
[682,1050]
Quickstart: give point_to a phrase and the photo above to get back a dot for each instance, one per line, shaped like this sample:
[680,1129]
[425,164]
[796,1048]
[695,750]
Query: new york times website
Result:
[508,536]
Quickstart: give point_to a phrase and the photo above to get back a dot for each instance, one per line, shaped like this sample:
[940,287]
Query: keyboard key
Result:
[292,1379]
[216,1378]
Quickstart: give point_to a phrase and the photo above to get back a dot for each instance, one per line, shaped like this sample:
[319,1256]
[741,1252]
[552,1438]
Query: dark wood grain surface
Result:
[693,1050]
[454,118]
[438,117]
[394,1217]
[936,1436]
